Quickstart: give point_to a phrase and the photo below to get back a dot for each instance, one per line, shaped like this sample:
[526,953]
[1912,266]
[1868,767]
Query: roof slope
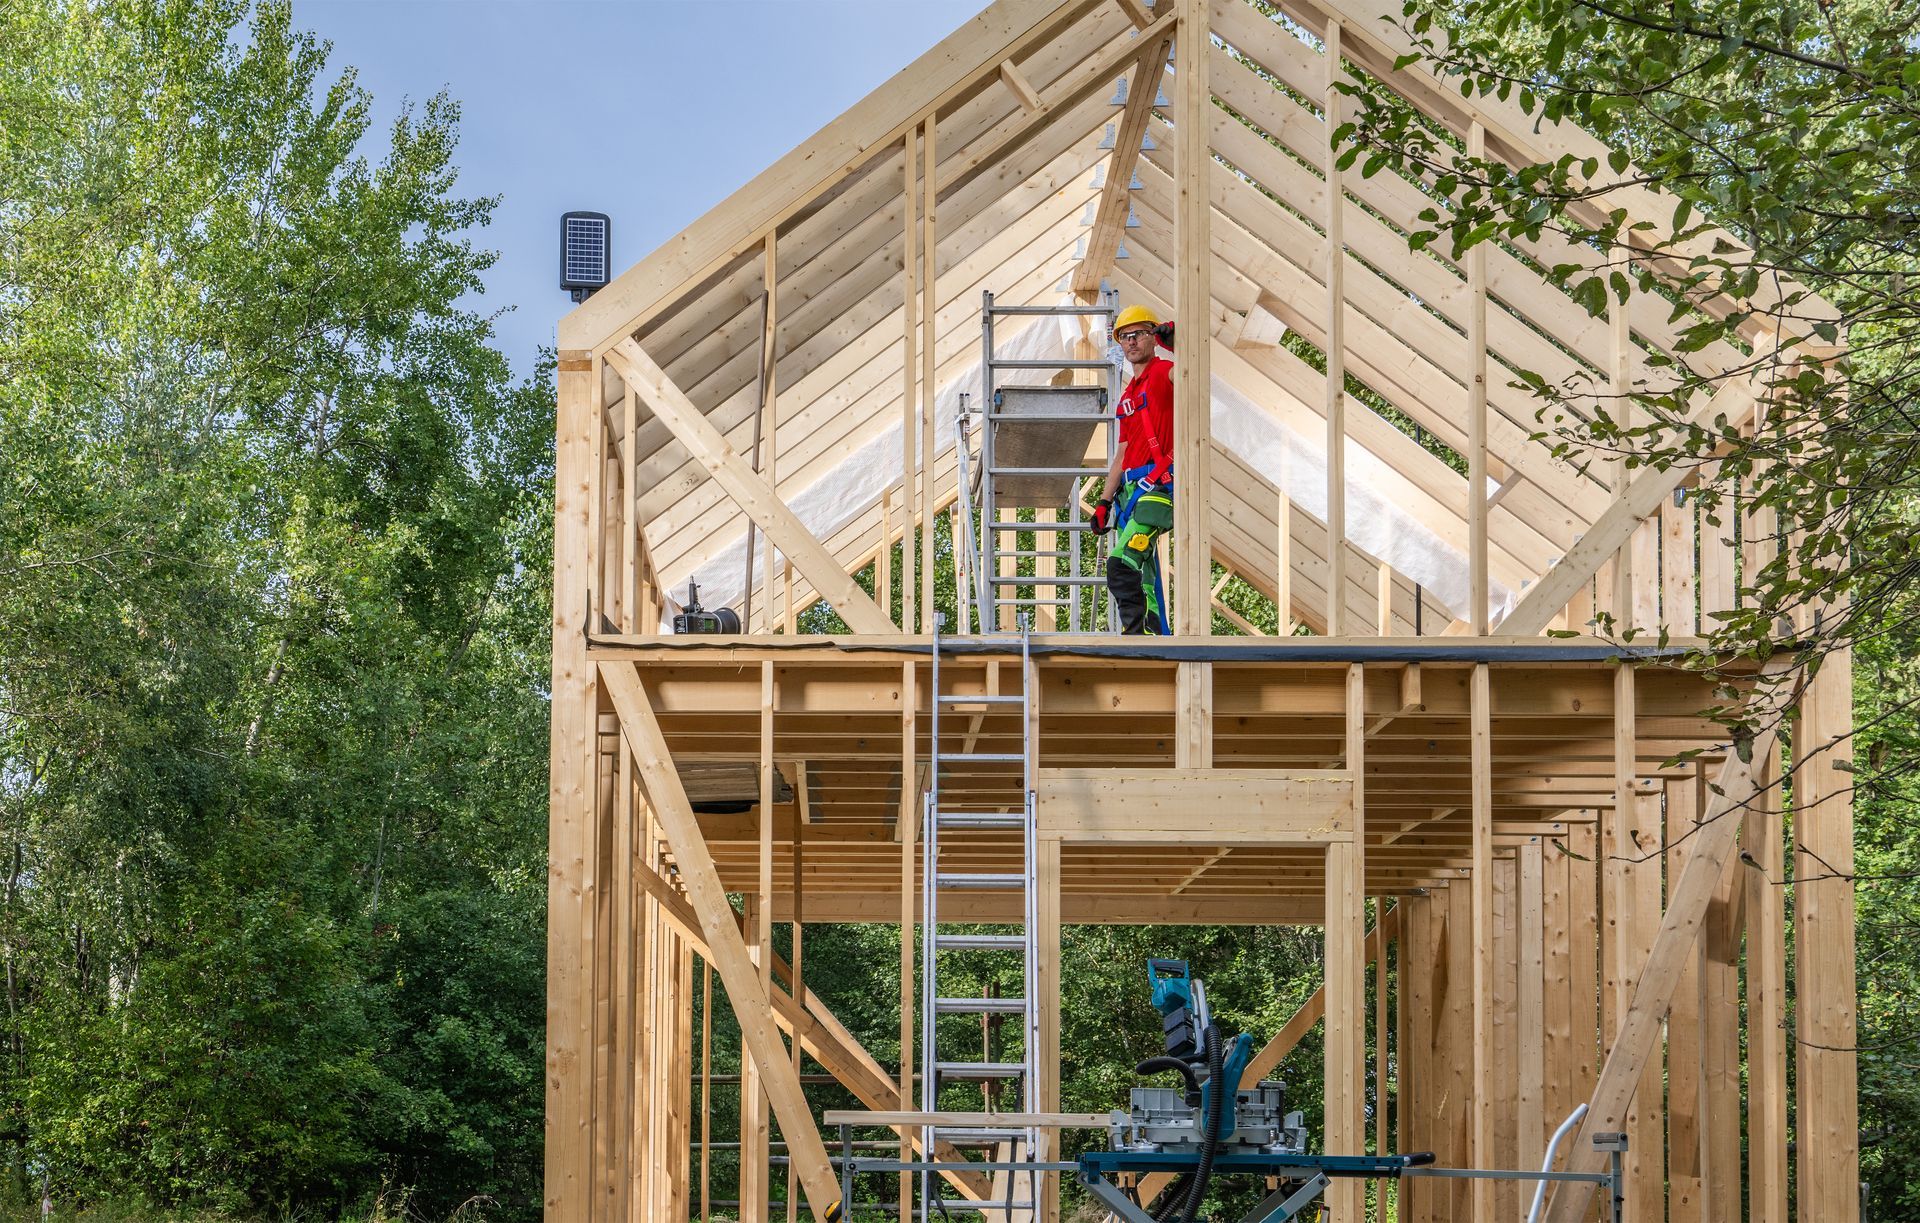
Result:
[1025,99]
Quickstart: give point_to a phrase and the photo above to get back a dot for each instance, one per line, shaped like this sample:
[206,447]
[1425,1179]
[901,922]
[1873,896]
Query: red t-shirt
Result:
[1146,411]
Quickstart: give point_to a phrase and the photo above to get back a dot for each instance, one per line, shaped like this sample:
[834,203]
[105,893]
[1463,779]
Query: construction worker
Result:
[1136,501]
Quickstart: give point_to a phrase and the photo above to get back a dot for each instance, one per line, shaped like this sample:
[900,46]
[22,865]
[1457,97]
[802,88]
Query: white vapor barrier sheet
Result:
[1295,464]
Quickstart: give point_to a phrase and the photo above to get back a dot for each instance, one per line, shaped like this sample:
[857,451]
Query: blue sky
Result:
[650,111]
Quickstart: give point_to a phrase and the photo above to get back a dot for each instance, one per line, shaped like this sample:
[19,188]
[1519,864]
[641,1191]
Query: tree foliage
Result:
[273,537]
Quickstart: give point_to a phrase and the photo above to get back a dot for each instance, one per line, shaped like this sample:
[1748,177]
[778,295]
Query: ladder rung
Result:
[1068,310]
[1042,471]
[970,1204]
[1034,602]
[980,942]
[955,698]
[979,1070]
[1057,580]
[982,757]
[1039,526]
[998,364]
[982,819]
[1066,417]
[979,1006]
[1023,553]
[982,882]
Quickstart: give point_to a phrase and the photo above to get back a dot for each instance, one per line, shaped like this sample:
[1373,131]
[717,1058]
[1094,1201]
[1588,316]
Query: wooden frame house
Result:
[1561,913]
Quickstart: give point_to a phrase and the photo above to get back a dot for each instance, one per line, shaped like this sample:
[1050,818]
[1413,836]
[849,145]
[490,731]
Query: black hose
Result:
[1172,1198]
[1215,1124]
[1154,1065]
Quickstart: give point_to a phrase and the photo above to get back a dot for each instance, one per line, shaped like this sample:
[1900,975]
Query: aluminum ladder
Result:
[1025,431]
[980,795]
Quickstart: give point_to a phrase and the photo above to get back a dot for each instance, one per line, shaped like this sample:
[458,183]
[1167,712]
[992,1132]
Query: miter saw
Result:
[1211,1114]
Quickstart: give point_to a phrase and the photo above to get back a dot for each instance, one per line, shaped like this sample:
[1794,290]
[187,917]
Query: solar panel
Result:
[585,250]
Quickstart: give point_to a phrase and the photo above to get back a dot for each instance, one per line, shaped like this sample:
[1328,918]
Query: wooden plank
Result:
[1827,1129]
[1283,567]
[1636,1046]
[1720,1062]
[1196,805]
[1734,399]
[753,494]
[1483,1114]
[751,1000]
[571,793]
[1333,277]
[1110,217]
[1193,383]
[706,1090]
[770,412]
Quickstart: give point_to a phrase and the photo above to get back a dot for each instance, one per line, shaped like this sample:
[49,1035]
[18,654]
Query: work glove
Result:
[1102,516]
[1164,335]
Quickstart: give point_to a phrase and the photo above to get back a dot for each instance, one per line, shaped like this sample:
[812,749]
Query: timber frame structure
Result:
[1561,915]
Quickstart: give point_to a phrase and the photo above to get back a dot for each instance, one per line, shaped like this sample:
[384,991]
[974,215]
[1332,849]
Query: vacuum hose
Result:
[1154,1065]
[1215,1123]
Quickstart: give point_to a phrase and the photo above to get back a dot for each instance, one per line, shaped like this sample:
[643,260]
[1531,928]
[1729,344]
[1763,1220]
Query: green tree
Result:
[273,552]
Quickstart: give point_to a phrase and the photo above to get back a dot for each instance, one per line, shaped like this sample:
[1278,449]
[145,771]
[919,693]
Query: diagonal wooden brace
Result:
[726,949]
[1673,947]
[748,489]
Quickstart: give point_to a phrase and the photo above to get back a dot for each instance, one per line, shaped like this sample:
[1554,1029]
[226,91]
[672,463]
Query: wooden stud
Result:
[1530,1025]
[1684,1022]
[1346,1051]
[1481,940]
[1720,1062]
[706,1090]
[929,386]
[1046,1091]
[1827,1129]
[907,822]
[572,789]
[1477,507]
[1193,383]
[1333,276]
[1283,569]
[770,410]
[1383,599]
[909,392]
[796,960]
[1766,985]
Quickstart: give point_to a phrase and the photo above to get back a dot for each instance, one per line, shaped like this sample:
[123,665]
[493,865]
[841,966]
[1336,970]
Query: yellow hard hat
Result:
[1132,315]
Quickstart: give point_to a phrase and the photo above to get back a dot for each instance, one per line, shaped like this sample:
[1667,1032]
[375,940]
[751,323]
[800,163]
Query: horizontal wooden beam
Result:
[1195,805]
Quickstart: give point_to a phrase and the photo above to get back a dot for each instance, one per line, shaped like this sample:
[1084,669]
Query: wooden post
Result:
[1346,1025]
[883,560]
[1334,278]
[1193,302]
[1477,414]
[909,396]
[1530,1003]
[706,1090]
[1719,1100]
[572,791]
[1828,1124]
[1684,1047]
[929,311]
[1047,974]
[1480,708]
[770,409]
[795,937]
[907,824]
[1766,997]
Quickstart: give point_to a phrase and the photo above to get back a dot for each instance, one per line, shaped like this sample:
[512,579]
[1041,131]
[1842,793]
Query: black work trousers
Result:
[1128,585]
